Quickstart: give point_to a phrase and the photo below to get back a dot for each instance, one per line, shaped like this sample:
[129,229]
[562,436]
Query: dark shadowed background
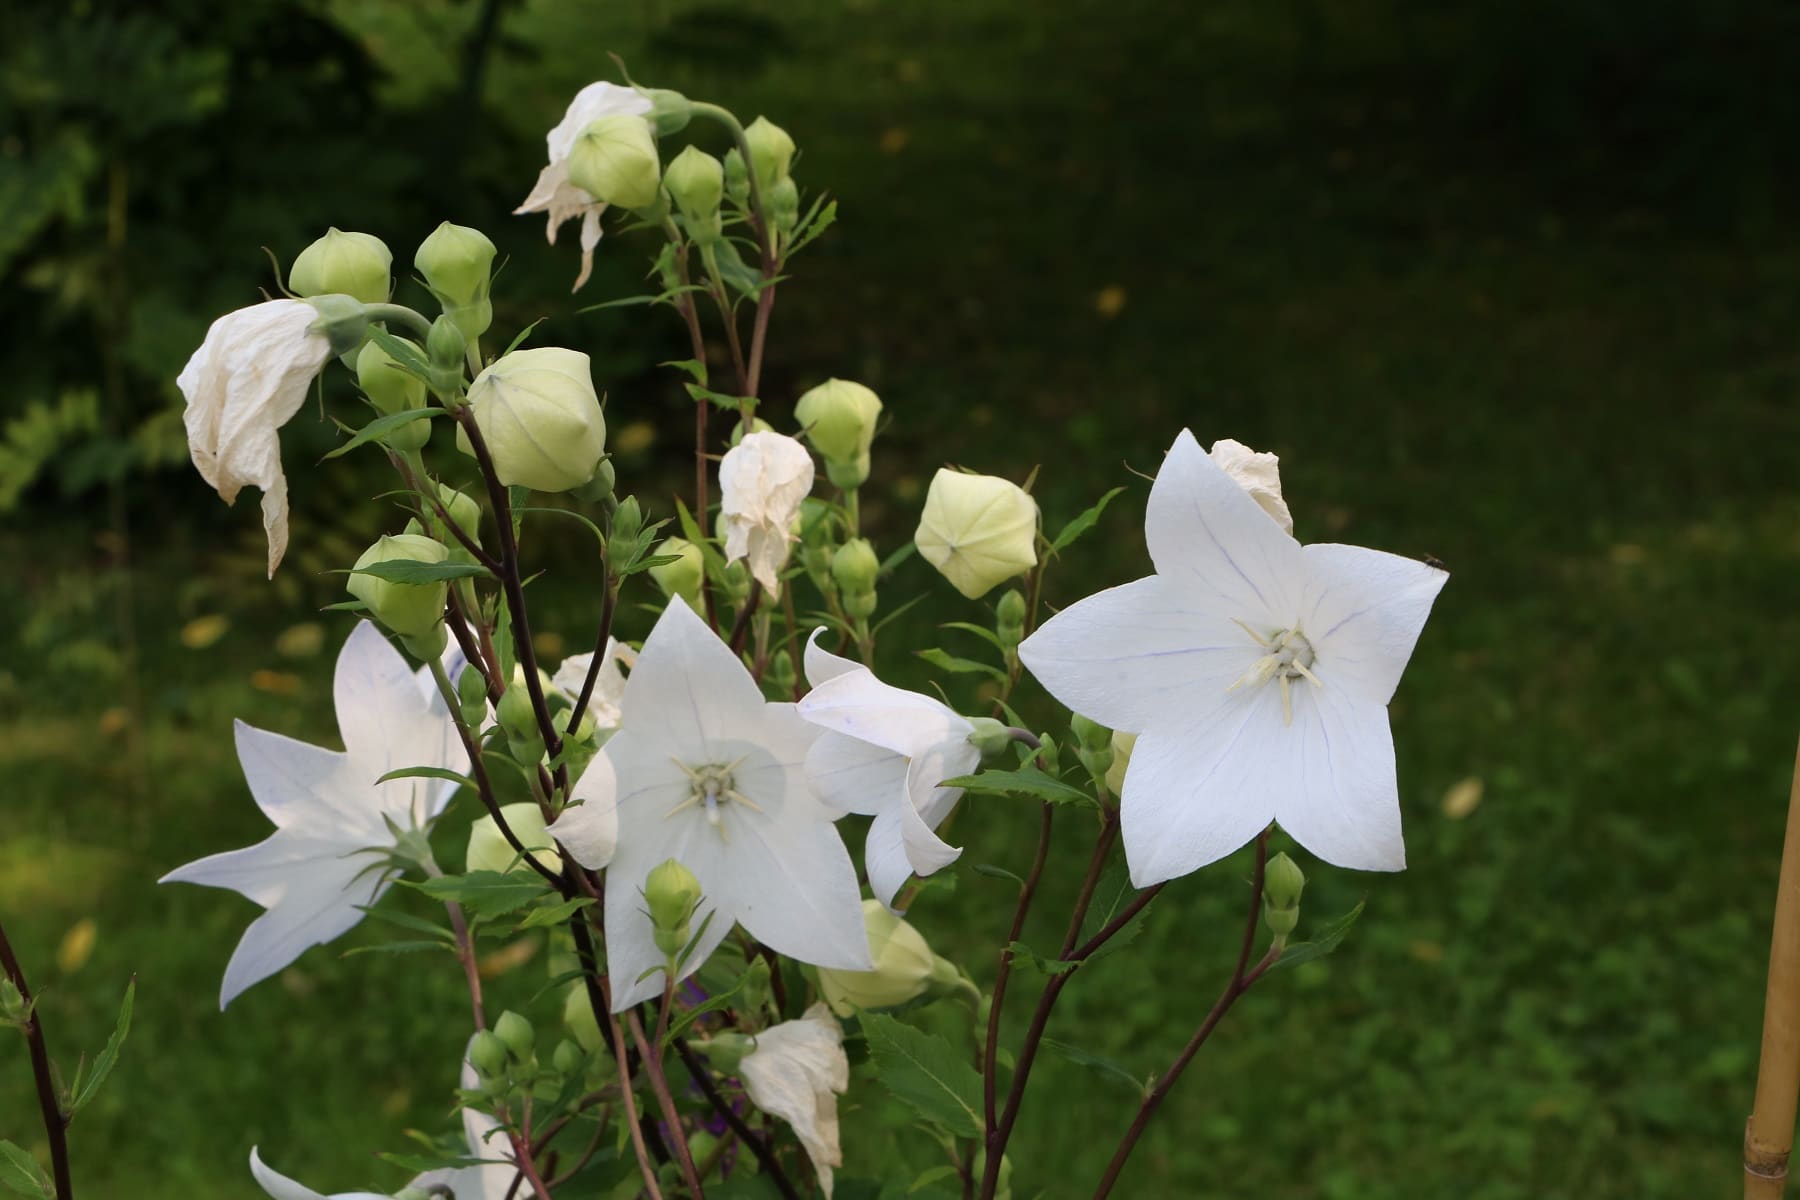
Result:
[1514,284]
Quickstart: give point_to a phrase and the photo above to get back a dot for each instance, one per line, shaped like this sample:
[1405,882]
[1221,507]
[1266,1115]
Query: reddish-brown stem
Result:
[56,1121]
[429,495]
[690,315]
[1243,976]
[465,954]
[600,999]
[527,1169]
[759,1145]
[665,1099]
[991,1048]
[742,628]
[759,331]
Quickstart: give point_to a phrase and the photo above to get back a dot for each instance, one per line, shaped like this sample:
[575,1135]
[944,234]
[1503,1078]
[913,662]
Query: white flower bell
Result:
[762,481]
[977,530]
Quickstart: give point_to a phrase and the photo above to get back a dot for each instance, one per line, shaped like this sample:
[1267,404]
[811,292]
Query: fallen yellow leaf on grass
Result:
[639,435]
[202,632]
[894,140]
[276,683]
[301,641]
[1109,302]
[114,721]
[513,954]
[1462,798]
[77,946]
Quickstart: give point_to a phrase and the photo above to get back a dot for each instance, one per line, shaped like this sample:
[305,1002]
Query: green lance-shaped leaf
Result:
[1329,938]
[1082,523]
[382,426]
[108,1057]
[411,570]
[1029,782]
[486,893]
[926,1072]
[20,1173]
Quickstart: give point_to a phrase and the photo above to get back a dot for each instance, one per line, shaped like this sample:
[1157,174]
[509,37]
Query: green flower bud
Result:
[579,1019]
[1091,734]
[904,967]
[696,181]
[855,566]
[725,1051]
[488,1055]
[839,419]
[1122,744]
[457,264]
[343,321]
[757,995]
[771,150]
[671,893]
[392,390]
[614,160]
[568,1057]
[541,419]
[490,851]
[463,509]
[627,526]
[683,576]
[518,718]
[409,609]
[444,350]
[737,178]
[12,1002]
[989,736]
[1009,619]
[1283,881]
[757,425]
[781,677]
[977,530]
[350,264]
[471,692]
[784,205]
[670,111]
[518,1035]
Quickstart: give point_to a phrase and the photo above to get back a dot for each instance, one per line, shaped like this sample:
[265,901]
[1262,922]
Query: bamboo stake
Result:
[1769,1133]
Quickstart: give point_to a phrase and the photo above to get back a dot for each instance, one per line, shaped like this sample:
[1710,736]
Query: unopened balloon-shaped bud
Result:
[977,530]
[580,1021]
[410,609]
[683,576]
[737,178]
[696,182]
[989,736]
[903,970]
[349,264]
[627,527]
[784,206]
[489,849]
[671,893]
[540,417]
[445,347]
[839,419]
[518,717]
[855,567]
[517,1033]
[1283,881]
[1093,746]
[1122,744]
[457,264]
[392,390]
[463,508]
[1009,619]
[471,695]
[489,1055]
[670,111]
[614,160]
[771,151]
[724,1051]
[568,1058]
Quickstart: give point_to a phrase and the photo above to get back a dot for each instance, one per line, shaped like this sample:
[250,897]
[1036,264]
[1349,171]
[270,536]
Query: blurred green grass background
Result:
[1514,285]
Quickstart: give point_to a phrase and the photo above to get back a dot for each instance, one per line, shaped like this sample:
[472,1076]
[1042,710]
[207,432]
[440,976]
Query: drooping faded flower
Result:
[796,1071]
[884,754]
[609,681]
[762,481]
[312,874]
[977,530]
[1257,472]
[705,771]
[246,380]
[1256,672]
[554,194]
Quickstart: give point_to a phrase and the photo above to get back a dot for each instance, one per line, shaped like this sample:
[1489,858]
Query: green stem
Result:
[399,313]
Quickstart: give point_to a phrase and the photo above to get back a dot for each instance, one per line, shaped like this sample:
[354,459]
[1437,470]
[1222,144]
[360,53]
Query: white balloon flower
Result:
[1256,672]
[553,194]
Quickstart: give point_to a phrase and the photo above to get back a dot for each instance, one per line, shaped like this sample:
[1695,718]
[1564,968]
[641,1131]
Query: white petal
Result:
[859,705]
[1127,655]
[884,856]
[822,664]
[630,947]
[1363,612]
[261,872]
[319,905]
[298,785]
[688,689]
[589,829]
[930,804]
[280,1187]
[793,888]
[1342,801]
[1213,542]
[856,776]
[1202,785]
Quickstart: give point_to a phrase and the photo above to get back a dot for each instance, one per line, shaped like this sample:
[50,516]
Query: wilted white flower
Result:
[704,770]
[609,681]
[554,194]
[1256,673]
[796,1072]
[311,874]
[762,481]
[884,755]
[977,530]
[246,380]
[1257,472]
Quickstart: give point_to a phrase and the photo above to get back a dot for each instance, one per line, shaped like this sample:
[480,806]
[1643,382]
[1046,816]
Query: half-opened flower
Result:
[762,481]
[1256,673]
[246,380]
[796,1071]
[554,194]
[316,872]
[1257,472]
[609,681]
[705,771]
[884,754]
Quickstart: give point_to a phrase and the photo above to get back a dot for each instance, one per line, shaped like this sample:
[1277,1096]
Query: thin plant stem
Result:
[991,1048]
[56,1121]
[599,996]
[522,1160]
[1769,1132]
[759,1145]
[1243,976]
[690,316]
[665,1099]
[608,606]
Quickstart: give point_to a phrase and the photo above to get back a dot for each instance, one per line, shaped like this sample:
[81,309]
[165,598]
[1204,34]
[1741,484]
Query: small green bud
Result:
[989,736]
[670,111]
[1091,734]
[771,150]
[490,851]
[488,1054]
[457,264]
[903,967]
[568,1057]
[518,717]
[579,1019]
[627,526]
[392,390]
[343,320]
[1283,881]
[12,1002]
[444,349]
[1122,745]
[541,419]
[671,892]
[696,181]
[839,419]
[737,179]
[1009,619]
[463,509]
[614,160]
[725,1051]
[683,576]
[518,1035]
[758,995]
[784,205]
[471,687]
[350,264]
[855,566]
[781,677]
[408,609]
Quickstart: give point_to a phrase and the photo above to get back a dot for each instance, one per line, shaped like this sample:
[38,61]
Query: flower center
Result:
[1288,656]
[711,789]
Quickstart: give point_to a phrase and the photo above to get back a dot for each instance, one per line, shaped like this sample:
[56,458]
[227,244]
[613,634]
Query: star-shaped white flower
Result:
[609,681]
[246,380]
[553,193]
[762,481]
[705,771]
[796,1071]
[883,755]
[1256,672]
[314,872]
